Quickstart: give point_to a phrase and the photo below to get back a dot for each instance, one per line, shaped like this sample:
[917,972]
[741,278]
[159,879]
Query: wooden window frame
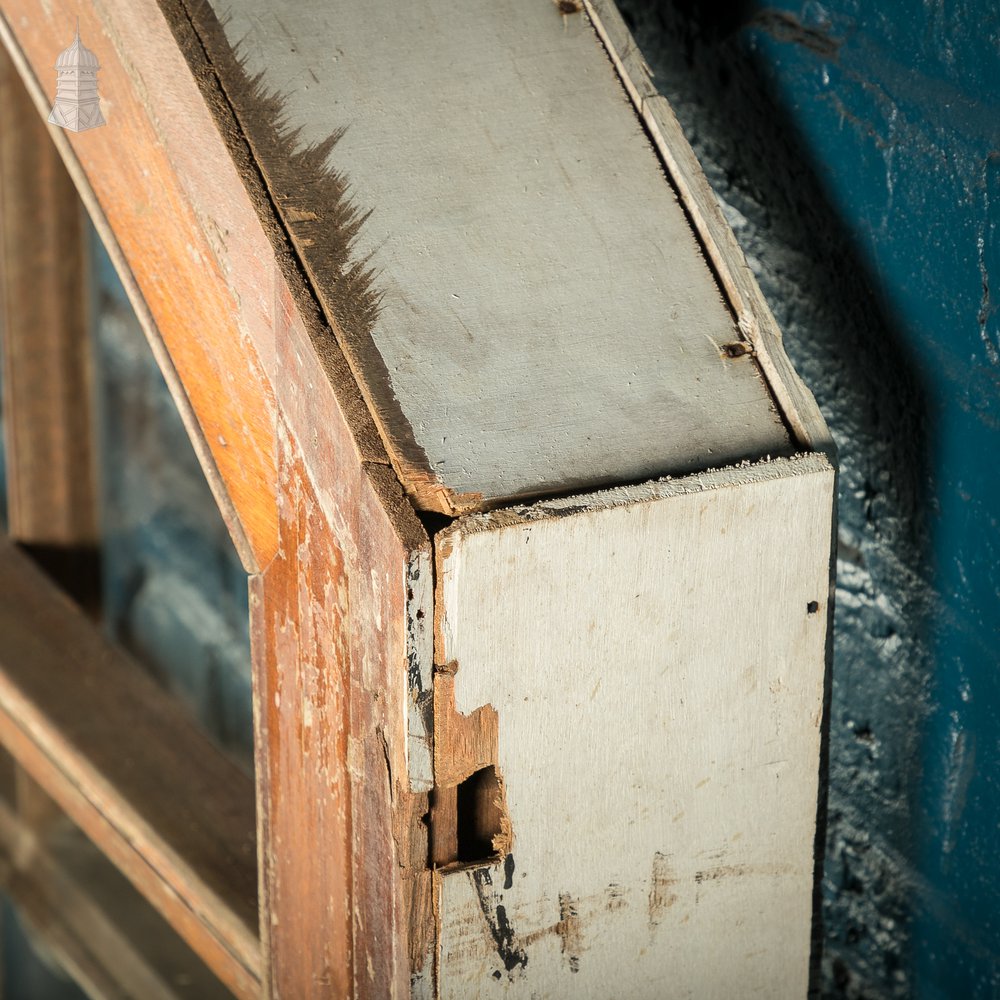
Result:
[340,566]
[308,495]
[90,731]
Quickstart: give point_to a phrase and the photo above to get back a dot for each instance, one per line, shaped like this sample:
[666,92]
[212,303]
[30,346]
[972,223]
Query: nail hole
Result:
[812,607]
[735,350]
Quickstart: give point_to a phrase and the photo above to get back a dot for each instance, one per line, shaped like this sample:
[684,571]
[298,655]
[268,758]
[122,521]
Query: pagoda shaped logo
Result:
[78,105]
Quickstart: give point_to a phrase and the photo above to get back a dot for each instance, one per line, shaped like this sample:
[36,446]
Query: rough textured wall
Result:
[856,149]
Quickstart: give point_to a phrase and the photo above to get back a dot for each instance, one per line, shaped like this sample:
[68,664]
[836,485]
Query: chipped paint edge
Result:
[741,474]
[420,670]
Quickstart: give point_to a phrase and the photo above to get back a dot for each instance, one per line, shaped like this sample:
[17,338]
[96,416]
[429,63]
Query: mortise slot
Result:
[479,816]
[469,821]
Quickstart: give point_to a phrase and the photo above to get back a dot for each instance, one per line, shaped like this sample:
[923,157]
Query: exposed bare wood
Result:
[43,334]
[230,235]
[463,744]
[393,921]
[303,719]
[32,805]
[130,769]
[341,856]
[326,430]
[344,858]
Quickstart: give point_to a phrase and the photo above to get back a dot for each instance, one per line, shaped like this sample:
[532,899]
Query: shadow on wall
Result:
[843,341]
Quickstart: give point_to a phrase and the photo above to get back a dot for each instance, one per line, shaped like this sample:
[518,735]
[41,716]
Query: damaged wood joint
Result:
[469,821]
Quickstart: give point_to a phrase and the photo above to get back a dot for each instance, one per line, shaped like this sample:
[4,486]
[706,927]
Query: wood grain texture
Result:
[463,746]
[331,750]
[127,765]
[515,223]
[754,317]
[344,855]
[171,190]
[657,666]
[99,928]
[133,181]
[208,243]
[302,752]
[44,338]
[265,351]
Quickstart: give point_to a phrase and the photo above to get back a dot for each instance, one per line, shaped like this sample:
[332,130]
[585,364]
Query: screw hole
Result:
[736,349]
[812,607]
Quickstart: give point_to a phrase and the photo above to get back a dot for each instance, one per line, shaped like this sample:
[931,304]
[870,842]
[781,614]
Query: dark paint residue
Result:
[495,914]
[508,871]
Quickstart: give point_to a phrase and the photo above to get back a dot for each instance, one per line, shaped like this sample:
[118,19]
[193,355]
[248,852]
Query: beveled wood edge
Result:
[92,942]
[374,477]
[65,770]
[138,303]
[753,315]
[353,410]
[203,45]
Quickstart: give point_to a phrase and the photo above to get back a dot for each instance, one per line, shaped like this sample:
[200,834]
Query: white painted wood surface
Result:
[547,318]
[657,669]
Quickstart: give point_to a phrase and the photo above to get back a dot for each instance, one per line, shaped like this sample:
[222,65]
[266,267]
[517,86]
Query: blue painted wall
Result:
[856,148]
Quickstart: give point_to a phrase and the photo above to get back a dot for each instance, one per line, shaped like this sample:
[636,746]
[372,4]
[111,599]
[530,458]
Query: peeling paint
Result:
[661,889]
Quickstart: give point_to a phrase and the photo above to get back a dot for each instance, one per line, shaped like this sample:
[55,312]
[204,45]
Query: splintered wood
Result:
[655,660]
[468,813]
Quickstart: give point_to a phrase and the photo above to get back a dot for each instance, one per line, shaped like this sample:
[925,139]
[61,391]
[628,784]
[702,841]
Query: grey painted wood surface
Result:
[546,319]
